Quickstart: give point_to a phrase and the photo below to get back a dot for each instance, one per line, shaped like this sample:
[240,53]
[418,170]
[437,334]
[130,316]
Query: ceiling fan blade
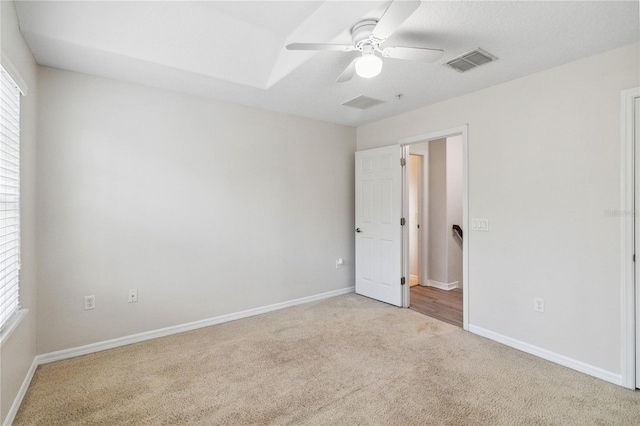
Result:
[413,53]
[320,46]
[348,72]
[397,12]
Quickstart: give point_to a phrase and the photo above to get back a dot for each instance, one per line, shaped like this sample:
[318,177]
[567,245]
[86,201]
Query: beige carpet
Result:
[343,361]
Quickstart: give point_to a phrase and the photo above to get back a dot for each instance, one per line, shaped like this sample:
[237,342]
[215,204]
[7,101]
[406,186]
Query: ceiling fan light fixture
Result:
[368,35]
[368,65]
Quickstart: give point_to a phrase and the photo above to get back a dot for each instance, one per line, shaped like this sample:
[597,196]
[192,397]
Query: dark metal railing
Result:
[457,230]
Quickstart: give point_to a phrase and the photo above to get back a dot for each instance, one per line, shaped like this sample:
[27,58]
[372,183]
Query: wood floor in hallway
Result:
[445,305]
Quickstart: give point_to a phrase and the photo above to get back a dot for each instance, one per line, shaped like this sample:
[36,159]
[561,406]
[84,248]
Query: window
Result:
[9,197]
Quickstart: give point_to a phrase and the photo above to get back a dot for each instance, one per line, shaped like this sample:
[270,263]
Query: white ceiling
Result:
[234,50]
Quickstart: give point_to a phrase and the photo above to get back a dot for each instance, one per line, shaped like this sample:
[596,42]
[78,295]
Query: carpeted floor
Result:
[342,361]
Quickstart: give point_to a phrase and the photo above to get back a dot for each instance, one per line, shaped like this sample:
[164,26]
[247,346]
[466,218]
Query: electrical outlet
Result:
[538,304]
[133,295]
[339,263]
[89,302]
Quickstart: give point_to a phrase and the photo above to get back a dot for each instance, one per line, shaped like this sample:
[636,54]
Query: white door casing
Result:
[636,125]
[630,238]
[378,230]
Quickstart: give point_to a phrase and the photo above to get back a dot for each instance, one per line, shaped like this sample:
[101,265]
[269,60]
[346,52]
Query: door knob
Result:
[358,230]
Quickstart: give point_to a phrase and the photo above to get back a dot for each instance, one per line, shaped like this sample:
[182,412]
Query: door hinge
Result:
[402,161]
[402,221]
[402,281]
[634,257]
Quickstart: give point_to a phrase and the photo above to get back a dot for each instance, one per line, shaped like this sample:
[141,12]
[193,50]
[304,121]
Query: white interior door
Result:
[378,229]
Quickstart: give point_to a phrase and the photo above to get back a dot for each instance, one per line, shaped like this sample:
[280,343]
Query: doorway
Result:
[434,170]
[435,253]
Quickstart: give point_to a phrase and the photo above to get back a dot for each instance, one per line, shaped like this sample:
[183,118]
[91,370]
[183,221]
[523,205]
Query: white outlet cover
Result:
[89,302]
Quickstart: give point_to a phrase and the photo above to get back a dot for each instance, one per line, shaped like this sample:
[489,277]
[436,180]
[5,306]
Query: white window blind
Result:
[9,197]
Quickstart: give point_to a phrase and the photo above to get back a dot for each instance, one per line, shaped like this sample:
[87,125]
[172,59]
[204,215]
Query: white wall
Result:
[206,208]
[454,209]
[19,350]
[544,164]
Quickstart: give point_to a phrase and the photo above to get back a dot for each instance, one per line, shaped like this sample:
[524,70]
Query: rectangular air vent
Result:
[362,102]
[470,60]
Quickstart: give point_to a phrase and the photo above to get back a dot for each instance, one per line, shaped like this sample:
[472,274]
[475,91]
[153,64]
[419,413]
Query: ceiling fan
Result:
[368,36]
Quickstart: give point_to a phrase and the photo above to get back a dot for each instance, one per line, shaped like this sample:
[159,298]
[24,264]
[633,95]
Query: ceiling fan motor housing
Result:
[361,32]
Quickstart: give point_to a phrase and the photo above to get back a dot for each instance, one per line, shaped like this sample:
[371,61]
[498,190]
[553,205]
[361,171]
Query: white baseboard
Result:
[11,415]
[414,277]
[442,286]
[153,334]
[134,338]
[549,356]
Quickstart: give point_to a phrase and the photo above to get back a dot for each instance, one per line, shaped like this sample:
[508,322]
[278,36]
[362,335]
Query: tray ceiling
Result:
[233,51]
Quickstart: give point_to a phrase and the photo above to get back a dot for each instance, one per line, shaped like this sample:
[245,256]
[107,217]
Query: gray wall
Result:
[544,165]
[445,209]
[206,208]
[19,350]
[437,262]
[454,209]
[415,199]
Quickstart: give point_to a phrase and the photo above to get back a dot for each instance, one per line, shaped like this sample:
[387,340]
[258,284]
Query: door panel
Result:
[378,212]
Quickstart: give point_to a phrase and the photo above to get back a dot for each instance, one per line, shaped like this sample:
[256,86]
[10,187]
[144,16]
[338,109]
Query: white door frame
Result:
[629,291]
[404,143]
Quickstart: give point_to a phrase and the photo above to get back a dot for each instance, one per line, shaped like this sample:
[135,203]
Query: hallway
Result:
[445,305]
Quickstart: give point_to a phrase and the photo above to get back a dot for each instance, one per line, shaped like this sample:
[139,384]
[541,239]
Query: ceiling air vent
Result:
[362,102]
[470,60]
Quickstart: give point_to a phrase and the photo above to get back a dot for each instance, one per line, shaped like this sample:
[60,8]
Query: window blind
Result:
[9,197]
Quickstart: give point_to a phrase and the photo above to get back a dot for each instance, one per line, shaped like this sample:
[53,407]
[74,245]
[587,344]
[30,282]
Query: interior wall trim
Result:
[11,415]
[549,355]
[167,331]
[14,73]
[153,334]
[628,213]
[442,286]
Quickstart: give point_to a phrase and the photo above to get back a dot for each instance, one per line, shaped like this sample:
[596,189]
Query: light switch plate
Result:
[480,225]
